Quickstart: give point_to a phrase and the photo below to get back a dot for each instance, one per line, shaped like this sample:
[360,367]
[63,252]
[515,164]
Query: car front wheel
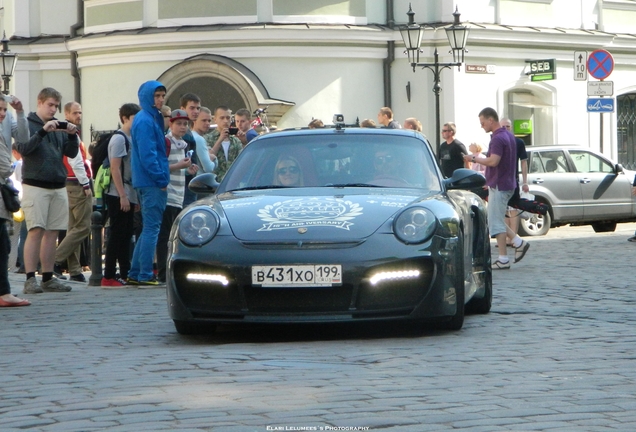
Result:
[457,320]
[537,225]
[190,328]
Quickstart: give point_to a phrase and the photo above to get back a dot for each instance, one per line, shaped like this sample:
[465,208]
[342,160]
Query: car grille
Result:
[301,245]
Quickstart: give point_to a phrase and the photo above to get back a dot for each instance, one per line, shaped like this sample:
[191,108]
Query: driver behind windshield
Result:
[386,164]
[288,172]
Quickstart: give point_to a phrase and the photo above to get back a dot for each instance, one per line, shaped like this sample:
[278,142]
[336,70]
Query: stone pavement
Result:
[557,353]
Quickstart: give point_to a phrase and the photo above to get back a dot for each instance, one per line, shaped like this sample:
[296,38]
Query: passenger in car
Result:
[389,169]
[288,172]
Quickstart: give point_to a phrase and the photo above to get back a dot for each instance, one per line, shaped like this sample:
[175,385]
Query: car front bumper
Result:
[430,294]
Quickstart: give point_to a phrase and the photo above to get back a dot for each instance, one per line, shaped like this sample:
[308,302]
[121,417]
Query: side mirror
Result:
[618,168]
[204,184]
[464,178]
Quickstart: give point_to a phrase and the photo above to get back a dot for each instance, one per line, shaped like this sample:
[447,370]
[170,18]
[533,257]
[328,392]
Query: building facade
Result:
[312,59]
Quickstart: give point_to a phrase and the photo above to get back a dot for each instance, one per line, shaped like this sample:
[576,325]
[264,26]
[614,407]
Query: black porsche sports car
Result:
[331,225]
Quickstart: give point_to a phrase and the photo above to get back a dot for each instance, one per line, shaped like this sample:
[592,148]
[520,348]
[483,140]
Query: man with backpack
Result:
[120,200]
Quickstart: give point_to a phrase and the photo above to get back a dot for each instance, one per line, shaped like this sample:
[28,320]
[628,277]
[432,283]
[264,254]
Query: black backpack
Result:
[100,151]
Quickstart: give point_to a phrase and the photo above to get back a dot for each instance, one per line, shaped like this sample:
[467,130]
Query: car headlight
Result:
[198,226]
[414,225]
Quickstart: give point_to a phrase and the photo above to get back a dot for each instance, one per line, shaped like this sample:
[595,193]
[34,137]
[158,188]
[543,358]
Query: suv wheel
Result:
[600,227]
[537,225]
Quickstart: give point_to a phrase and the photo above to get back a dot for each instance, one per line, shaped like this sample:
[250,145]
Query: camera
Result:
[189,154]
[62,125]
[338,119]
[233,130]
[7,98]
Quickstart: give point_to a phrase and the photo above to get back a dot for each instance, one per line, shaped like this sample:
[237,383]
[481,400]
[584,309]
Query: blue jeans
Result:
[153,203]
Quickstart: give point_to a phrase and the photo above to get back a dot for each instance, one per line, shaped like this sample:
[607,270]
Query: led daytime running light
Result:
[199,277]
[383,276]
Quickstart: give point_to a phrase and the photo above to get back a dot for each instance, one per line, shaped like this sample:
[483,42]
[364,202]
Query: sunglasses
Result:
[383,159]
[445,130]
[291,169]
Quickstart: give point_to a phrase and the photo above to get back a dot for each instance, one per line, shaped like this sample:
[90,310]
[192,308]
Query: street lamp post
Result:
[8,63]
[412,37]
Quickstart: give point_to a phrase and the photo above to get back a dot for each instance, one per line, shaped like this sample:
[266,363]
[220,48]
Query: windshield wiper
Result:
[260,188]
[342,185]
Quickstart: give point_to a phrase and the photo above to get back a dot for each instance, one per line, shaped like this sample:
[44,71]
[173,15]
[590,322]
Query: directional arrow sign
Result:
[600,64]
[580,65]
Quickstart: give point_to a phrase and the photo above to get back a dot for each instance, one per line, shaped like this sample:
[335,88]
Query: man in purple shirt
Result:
[501,181]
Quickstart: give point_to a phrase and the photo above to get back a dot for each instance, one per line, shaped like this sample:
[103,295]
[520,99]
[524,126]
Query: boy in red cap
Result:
[179,162]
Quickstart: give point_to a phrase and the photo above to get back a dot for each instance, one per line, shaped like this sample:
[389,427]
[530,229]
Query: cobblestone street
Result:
[557,353]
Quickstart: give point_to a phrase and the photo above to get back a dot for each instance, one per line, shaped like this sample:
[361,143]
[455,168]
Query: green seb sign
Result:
[522,127]
[541,70]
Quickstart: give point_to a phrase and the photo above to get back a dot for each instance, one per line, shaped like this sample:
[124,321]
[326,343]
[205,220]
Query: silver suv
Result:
[580,186]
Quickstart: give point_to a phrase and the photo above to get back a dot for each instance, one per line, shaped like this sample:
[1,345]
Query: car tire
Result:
[190,328]
[483,305]
[457,321]
[537,225]
[601,227]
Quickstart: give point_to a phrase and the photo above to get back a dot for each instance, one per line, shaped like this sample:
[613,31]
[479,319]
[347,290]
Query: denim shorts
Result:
[497,206]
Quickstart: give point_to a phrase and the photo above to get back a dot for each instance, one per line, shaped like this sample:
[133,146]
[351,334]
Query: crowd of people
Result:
[152,158]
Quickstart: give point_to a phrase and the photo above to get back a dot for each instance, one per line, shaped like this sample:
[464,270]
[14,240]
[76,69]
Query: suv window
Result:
[586,162]
[548,161]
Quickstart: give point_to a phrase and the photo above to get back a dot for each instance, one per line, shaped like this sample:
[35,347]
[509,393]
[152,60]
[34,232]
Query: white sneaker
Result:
[498,265]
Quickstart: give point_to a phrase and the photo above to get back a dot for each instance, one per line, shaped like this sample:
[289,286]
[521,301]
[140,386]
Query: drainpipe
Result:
[498,12]
[390,46]
[74,70]
[386,64]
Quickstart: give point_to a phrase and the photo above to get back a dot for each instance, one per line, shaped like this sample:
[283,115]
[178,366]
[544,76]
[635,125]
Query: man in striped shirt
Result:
[179,162]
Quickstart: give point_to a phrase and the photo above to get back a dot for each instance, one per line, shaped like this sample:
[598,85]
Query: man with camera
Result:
[223,141]
[191,104]
[243,122]
[45,201]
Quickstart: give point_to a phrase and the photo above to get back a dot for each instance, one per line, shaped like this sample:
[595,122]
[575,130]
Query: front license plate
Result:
[321,275]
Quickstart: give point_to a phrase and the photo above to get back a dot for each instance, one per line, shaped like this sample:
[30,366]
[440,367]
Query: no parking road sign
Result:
[600,64]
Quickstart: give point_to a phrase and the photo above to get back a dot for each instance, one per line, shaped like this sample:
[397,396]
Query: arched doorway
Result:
[626,130]
[212,91]
[219,80]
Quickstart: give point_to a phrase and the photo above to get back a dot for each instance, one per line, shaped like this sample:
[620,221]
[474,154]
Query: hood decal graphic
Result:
[306,212]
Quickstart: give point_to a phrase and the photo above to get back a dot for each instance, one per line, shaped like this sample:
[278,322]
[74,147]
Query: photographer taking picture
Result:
[45,201]
[225,146]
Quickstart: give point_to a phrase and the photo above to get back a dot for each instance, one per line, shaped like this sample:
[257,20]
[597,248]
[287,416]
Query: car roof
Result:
[558,147]
[330,131]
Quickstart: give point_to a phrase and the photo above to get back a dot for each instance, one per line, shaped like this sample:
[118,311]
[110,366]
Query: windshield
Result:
[334,160]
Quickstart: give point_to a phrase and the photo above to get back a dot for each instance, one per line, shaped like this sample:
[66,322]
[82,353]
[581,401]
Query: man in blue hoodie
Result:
[150,178]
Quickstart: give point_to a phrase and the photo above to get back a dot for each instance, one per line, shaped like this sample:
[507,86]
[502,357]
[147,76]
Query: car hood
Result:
[285,217]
